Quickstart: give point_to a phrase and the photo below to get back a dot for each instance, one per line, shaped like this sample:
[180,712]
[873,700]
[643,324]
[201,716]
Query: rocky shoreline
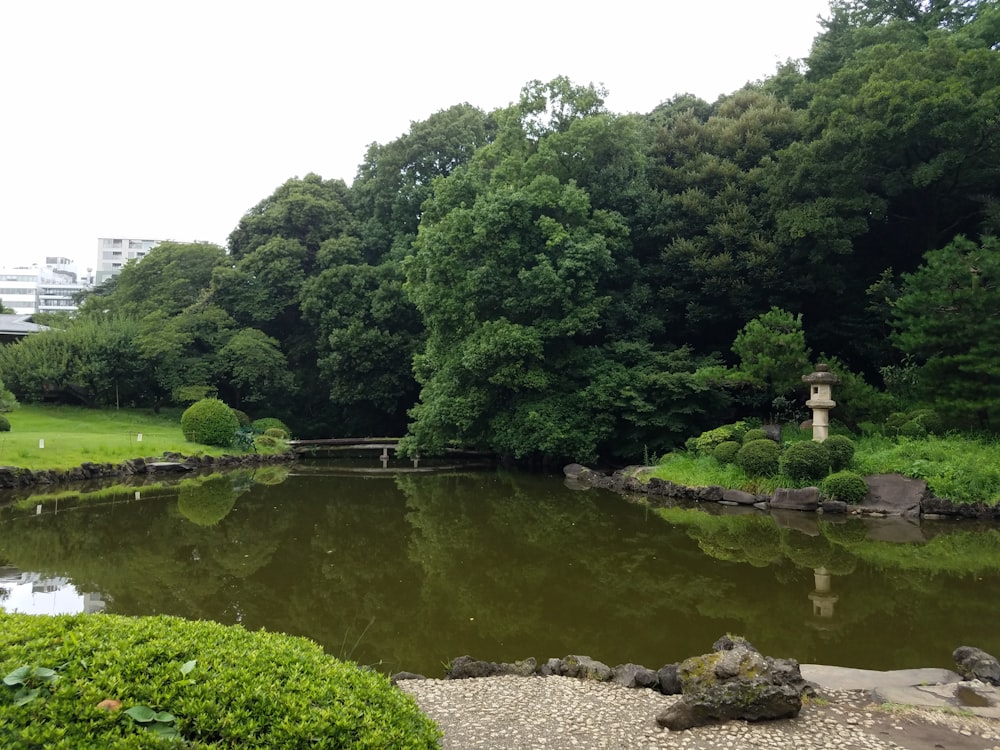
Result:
[15,478]
[888,495]
[578,702]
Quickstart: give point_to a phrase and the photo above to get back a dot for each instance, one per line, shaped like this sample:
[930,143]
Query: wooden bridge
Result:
[384,445]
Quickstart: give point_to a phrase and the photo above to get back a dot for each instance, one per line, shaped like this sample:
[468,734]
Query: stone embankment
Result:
[13,478]
[888,495]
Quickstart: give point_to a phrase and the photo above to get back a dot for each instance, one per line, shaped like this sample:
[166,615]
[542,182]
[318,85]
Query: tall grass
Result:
[74,435]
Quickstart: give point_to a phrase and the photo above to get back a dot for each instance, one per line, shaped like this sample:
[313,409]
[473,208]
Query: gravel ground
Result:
[559,713]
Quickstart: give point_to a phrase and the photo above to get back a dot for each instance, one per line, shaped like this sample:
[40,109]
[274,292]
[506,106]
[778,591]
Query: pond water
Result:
[404,571]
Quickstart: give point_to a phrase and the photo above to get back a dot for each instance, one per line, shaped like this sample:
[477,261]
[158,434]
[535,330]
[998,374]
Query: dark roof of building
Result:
[19,325]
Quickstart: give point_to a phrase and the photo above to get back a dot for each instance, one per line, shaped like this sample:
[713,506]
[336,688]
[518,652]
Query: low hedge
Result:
[205,684]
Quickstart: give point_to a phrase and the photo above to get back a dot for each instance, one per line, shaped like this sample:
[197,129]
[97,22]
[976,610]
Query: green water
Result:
[406,571]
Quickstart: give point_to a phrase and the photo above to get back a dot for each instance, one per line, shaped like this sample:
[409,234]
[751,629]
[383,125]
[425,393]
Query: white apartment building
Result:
[114,252]
[44,288]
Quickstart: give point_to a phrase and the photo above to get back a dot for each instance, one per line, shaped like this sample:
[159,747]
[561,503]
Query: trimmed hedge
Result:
[755,434]
[4,424]
[264,424]
[806,461]
[759,458]
[209,422]
[841,450]
[213,686]
[846,486]
[725,453]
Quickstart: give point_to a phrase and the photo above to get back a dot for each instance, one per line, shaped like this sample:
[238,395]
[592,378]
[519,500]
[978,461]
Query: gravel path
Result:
[560,713]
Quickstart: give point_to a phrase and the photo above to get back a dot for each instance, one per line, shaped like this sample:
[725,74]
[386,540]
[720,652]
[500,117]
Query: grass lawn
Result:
[74,435]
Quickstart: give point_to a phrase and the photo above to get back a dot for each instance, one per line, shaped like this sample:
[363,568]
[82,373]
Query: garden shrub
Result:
[725,453]
[754,434]
[845,485]
[242,417]
[219,686]
[267,441]
[759,458]
[841,450]
[4,424]
[264,424]
[912,429]
[276,433]
[708,440]
[806,461]
[209,422]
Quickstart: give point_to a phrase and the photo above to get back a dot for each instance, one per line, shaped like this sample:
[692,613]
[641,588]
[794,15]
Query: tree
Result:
[948,318]
[773,354]
[171,277]
[253,369]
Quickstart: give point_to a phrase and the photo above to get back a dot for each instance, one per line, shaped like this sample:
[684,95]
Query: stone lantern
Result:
[822,598]
[821,400]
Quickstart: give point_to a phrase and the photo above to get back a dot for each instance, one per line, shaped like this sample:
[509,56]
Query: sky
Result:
[155,120]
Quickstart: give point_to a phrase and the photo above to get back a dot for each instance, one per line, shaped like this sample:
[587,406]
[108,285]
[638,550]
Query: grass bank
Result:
[961,468]
[74,435]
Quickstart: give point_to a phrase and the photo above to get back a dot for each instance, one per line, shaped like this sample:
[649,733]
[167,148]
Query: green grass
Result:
[74,435]
[962,468]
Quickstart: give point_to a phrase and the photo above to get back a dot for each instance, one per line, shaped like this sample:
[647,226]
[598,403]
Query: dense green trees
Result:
[551,280]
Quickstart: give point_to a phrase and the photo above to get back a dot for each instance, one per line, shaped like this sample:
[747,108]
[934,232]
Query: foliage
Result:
[242,417]
[844,485]
[725,452]
[216,686]
[759,458]
[4,424]
[207,501]
[209,422]
[265,424]
[773,353]
[841,451]
[707,441]
[948,318]
[806,460]
[754,434]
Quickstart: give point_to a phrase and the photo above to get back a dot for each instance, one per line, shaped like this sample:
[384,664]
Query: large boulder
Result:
[803,498]
[634,676]
[585,667]
[975,664]
[734,682]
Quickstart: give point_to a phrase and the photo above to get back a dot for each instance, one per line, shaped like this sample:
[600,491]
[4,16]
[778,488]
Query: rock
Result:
[734,682]
[837,507]
[773,432]
[465,667]
[573,471]
[523,668]
[738,497]
[669,680]
[806,498]
[975,664]
[634,676]
[551,667]
[894,494]
[399,676]
[587,668]
[806,426]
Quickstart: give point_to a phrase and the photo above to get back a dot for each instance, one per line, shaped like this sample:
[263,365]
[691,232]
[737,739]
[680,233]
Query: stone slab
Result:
[945,697]
[894,495]
[846,678]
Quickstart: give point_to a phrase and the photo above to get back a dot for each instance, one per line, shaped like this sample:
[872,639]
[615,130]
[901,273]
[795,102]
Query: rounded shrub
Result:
[242,417]
[207,685]
[266,441]
[276,433]
[759,458]
[841,450]
[845,485]
[4,424]
[806,461]
[264,424]
[754,434]
[209,422]
[725,453]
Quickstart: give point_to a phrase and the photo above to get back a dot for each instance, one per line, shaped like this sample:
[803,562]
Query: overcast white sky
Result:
[125,118]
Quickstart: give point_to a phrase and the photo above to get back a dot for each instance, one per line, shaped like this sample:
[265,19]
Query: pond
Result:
[404,571]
